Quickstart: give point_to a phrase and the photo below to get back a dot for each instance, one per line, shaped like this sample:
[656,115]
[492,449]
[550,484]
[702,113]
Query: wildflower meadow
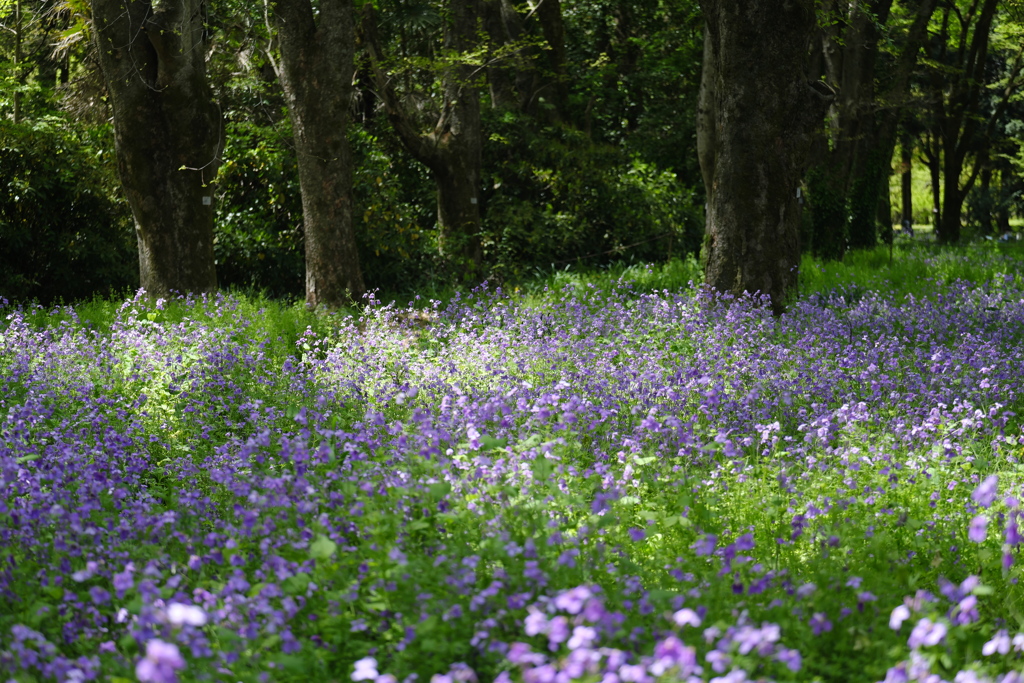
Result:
[607,481]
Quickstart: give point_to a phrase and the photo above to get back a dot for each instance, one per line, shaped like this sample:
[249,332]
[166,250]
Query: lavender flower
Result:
[926,633]
[978,529]
[985,494]
[161,663]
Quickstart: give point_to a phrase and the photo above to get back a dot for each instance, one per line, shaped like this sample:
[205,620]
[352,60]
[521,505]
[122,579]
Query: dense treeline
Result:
[326,148]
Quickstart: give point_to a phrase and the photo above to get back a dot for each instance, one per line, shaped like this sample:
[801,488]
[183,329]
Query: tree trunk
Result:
[906,181]
[960,124]
[985,202]
[453,151]
[864,136]
[316,70]
[554,86]
[16,99]
[167,135]
[952,200]
[757,113]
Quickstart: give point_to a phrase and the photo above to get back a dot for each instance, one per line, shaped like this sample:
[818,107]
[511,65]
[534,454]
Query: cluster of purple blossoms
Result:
[199,489]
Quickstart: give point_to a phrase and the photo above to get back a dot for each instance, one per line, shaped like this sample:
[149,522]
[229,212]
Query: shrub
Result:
[65,232]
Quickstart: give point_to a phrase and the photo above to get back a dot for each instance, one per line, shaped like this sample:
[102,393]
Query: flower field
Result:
[602,484]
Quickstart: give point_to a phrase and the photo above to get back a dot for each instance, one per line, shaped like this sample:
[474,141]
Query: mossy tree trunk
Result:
[167,134]
[756,115]
[316,67]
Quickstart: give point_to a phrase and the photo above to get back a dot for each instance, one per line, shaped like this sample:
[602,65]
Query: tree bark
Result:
[961,128]
[453,150]
[865,125]
[907,182]
[316,68]
[757,112]
[167,134]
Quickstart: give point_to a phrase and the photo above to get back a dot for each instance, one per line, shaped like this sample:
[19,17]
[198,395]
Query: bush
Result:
[258,241]
[65,232]
[554,197]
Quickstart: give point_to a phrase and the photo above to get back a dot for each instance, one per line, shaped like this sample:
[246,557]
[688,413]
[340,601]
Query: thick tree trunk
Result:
[167,134]
[316,69]
[757,113]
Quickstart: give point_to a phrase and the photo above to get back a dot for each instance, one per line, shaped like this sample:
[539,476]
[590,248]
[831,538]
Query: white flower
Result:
[179,615]
[366,669]
[899,615]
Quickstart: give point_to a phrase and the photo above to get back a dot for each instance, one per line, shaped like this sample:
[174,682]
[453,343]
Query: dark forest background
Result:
[587,133]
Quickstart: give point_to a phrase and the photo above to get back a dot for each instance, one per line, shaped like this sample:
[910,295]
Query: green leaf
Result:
[488,442]
[439,490]
[296,585]
[322,548]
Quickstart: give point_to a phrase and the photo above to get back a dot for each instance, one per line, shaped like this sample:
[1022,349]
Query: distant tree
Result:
[526,69]
[851,163]
[758,109]
[958,84]
[316,67]
[452,147]
[167,134]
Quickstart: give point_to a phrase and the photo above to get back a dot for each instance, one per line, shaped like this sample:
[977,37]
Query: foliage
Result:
[554,198]
[64,230]
[258,242]
[396,215]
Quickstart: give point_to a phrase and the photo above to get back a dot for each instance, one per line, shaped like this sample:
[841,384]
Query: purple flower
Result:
[123,582]
[161,662]
[1012,531]
[671,652]
[706,545]
[544,673]
[966,611]
[978,529]
[87,573]
[99,596]
[791,658]
[985,494]
[520,654]
[179,614]
[926,633]
[558,631]
[820,623]
[633,673]
[582,636]
[637,534]
[718,660]
[535,622]
[573,600]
